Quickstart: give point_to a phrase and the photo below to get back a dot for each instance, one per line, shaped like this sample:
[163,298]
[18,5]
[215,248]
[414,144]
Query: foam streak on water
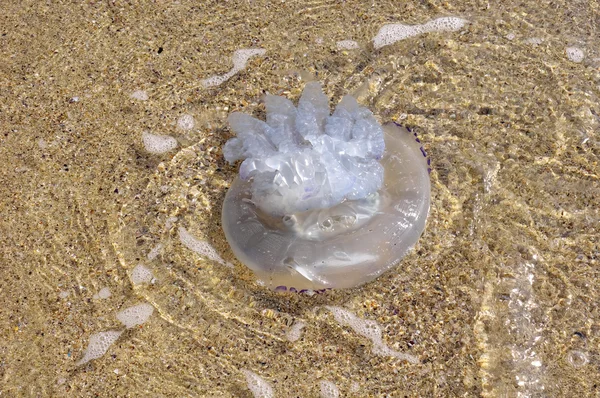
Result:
[201,247]
[528,368]
[392,33]
[510,333]
[240,58]
[259,387]
[371,330]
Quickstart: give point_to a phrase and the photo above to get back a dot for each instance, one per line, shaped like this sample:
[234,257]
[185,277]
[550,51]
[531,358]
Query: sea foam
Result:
[240,58]
[392,33]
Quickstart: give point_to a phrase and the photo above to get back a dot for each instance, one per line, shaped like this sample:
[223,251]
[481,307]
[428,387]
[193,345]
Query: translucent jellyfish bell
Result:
[323,201]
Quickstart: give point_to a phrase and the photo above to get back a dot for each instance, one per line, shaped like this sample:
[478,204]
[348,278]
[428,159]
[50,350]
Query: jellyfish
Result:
[323,200]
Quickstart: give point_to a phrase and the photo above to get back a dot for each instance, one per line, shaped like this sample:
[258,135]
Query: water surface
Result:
[498,299]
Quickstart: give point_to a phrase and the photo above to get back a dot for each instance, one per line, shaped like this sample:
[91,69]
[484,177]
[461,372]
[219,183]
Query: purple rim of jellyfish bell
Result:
[282,288]
[420,147]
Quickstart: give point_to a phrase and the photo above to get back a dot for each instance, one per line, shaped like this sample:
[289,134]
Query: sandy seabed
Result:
[498,299]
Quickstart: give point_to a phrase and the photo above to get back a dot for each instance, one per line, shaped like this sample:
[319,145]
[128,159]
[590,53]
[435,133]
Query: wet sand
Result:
[499,298]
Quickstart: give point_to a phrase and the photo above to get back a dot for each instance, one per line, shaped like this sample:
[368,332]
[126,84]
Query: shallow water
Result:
[499,297]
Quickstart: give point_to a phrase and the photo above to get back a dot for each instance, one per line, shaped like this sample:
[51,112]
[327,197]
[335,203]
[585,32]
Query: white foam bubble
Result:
[391,33]
[347,45]
[217,80]
[295,332]
[170,221]
[98,345]
[259,387]
[136,315]
[369,329]
[201,247]
[158,144]
[140,274]
[186,122]
[328,389]
[577,358]
[240,59]
[575,54]
[534,41]
[444,24]
[140,95]
[155,251]
[104,293]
